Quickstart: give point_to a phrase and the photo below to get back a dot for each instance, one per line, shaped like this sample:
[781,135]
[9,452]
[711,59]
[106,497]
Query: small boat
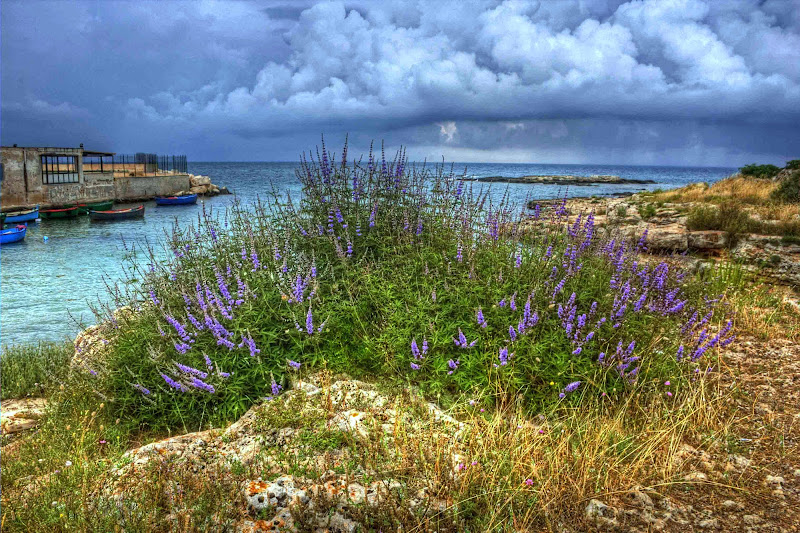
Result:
[119,214]
[186,199]
[64,212]
[84,209]
[15,234]
[24,215]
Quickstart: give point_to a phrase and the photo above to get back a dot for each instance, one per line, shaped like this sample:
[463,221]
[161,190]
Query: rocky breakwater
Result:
[201,185]
[566,180]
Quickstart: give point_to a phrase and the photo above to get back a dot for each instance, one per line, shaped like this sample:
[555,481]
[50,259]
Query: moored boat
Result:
[84,209]
[186,199]
[24,215]
[118,214]
[64,212]
[15,234]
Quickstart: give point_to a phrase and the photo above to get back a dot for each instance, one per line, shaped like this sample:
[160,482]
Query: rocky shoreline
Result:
[666,232]
[563,180]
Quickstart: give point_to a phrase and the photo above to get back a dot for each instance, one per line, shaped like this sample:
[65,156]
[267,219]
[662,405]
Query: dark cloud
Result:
[644,81]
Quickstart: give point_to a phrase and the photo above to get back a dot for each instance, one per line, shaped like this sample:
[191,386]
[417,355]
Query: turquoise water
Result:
[46,288]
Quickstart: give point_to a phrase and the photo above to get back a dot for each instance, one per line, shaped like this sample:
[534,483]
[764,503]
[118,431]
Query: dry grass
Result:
[745,190]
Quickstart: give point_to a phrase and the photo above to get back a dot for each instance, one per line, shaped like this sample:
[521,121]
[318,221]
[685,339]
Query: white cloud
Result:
[508,71]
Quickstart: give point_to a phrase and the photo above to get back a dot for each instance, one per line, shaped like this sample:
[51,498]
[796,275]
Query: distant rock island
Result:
[562,180]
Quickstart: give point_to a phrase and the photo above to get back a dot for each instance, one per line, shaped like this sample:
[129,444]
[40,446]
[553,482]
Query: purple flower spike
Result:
[511,333]
[572,387]
[174,384]
[481,319]
[202,385]
[453,365]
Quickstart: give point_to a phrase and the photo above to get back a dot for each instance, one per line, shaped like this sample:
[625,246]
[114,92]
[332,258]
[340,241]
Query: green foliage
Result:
[794,164]
[728,217]
[32,370]
[381,260]
[622,211]
[788,190]
[760,171]
[647,211]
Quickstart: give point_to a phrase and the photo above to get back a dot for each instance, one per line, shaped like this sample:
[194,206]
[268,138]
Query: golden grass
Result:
[745,190]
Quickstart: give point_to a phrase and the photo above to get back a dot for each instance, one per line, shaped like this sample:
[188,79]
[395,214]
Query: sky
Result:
[644,82]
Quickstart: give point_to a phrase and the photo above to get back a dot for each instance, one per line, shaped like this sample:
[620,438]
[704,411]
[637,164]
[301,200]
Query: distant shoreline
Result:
[580,181]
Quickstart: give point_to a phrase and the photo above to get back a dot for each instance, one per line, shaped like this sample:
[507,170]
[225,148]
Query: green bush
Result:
[788,190]
[794,164]
[647,211]
[728,217]
[760,171]
[382,270]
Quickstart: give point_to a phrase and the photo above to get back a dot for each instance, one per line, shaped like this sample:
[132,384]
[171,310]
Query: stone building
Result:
[48,176]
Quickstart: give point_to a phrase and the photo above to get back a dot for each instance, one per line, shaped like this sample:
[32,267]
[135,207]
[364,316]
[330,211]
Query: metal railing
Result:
[142,164]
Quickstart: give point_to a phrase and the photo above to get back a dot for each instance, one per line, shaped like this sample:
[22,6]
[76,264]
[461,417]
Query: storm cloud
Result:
[646,81]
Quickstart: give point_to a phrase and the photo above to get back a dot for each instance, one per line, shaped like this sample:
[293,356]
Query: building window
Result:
[57,169]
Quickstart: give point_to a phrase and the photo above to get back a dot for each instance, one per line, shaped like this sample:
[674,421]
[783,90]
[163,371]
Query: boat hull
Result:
[83,209]
[176,200]
[69,212]
[13,235]
[119,214]
[15,217]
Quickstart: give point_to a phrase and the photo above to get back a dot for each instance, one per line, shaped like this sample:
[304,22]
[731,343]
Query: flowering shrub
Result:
[387,269]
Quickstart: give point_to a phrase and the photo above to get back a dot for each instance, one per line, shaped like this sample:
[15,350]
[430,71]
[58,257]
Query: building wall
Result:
[22,184]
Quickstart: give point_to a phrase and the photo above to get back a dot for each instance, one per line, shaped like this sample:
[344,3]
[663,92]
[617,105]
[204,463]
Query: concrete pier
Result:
[52,177]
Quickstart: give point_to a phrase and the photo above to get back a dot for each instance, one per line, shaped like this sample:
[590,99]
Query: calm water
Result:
[46,287]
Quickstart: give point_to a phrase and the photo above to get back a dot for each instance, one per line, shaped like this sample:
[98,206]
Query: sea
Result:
[49,282]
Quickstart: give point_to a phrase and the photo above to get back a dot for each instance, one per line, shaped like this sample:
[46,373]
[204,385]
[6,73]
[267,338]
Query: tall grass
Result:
[33,370]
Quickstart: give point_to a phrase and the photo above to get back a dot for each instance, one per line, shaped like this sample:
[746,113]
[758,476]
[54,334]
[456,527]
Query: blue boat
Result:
[176,200]
[14,234]
[26,215]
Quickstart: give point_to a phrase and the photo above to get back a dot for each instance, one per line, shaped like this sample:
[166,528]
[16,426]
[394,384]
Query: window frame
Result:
[52,174]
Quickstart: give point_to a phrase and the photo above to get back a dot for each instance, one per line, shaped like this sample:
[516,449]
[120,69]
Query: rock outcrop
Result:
[202,186]
[21,414]
[344,409]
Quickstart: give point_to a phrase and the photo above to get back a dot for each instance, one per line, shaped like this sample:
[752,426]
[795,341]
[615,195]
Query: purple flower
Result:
[511,333]
[504,356]
[481,320]
[276,388]
[174,384]
[424,345]
[414,366]
[309,322]
[192,371]
[453,365]
[141,389]
[200,384]
[294,364]
[572,387]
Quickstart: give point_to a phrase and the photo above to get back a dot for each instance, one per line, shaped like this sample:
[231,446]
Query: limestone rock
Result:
[19,415]
[706,240]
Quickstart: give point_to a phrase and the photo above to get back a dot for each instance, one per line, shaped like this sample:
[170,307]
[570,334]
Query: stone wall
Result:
[146,187]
